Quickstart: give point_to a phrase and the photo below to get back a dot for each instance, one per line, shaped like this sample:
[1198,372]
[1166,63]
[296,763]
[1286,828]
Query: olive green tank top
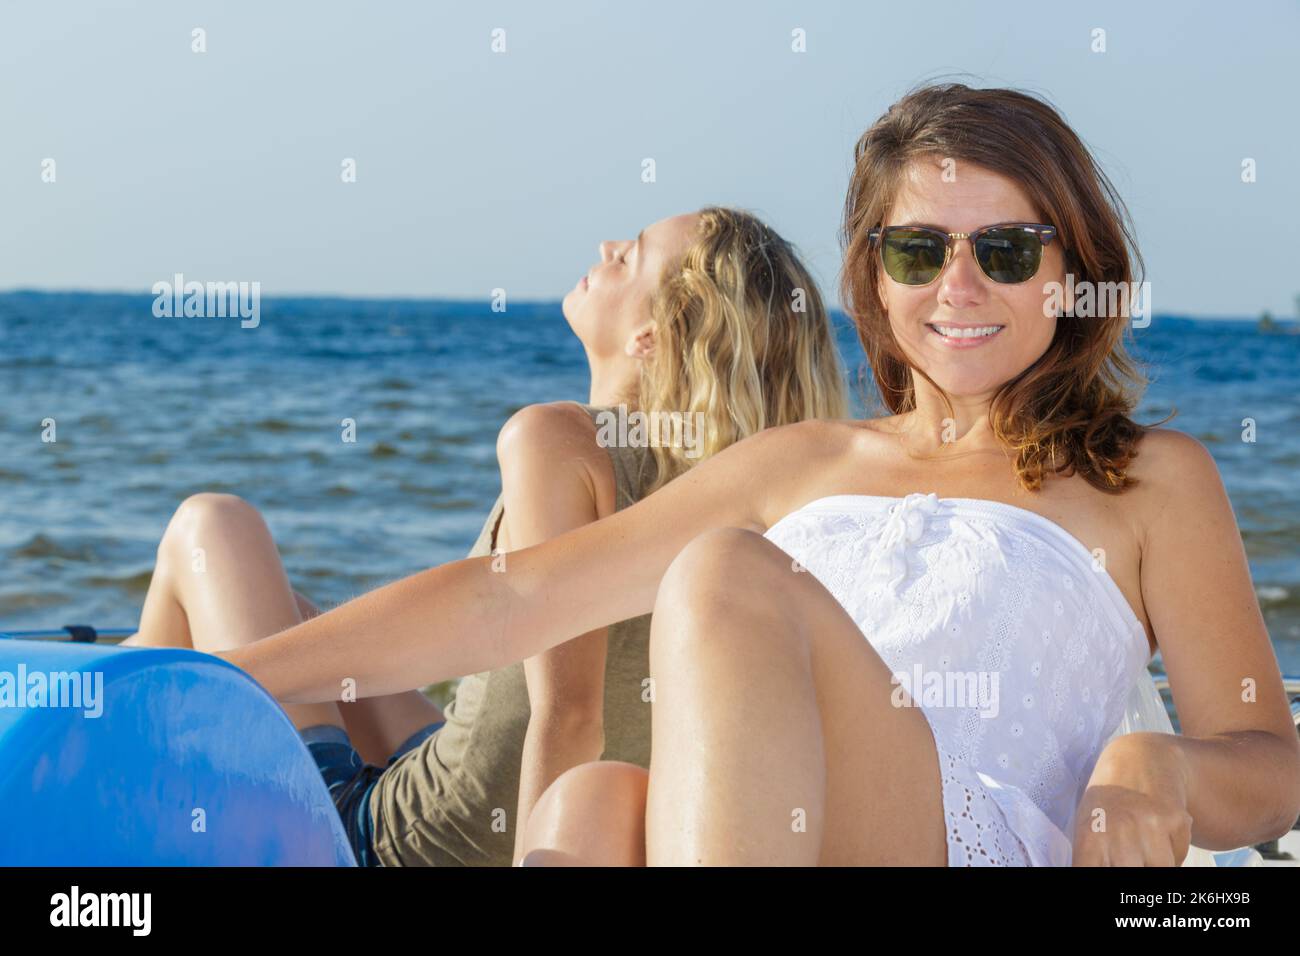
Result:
[452,801]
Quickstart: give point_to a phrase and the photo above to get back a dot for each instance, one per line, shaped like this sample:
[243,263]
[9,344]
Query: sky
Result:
[478,170]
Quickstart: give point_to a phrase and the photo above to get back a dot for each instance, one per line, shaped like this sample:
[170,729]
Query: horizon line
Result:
[454,300]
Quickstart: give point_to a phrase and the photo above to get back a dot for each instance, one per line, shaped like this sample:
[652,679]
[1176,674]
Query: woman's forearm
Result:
[482,613]
[460,618]
[1239,788]
[441,623]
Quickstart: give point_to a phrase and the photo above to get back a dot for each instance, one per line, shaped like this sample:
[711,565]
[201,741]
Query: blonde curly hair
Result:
[741,336]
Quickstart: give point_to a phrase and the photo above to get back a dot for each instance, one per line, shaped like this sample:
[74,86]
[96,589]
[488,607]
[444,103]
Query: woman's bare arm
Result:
[481,613]
[555,477]
[1237,760]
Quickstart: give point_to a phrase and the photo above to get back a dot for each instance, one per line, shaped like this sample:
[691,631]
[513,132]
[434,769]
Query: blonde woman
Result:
[709,324]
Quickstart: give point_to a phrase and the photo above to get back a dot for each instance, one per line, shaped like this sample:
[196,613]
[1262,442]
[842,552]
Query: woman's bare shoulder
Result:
[545,441]
[1175,474]
[840,435]
[1165,456]
[781,467]
[812,436]
[546,423]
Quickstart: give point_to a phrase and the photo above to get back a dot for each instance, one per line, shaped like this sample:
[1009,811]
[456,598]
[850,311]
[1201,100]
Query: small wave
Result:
[137,583]
[276,426]
[410,488]
[43,546]
[38,361]
[319,573]
[1221,374]
[13,604]
[459,505]
[384,450]
[1271,593]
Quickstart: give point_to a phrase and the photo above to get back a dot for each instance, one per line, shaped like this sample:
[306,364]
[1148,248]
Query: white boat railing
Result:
[1289,684]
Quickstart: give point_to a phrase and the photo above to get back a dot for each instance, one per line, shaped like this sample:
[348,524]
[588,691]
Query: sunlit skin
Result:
[609,306]
[555,477]
[769,701]
[963,295]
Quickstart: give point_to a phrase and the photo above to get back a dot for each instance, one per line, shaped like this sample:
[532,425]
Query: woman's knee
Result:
[209,507]
[592,815]
[724,575]
[721,559]
[202,515]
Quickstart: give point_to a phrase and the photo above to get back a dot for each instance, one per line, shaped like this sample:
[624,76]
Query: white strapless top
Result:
[1018,646]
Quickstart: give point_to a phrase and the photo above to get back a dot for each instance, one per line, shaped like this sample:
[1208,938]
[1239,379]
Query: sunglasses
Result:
[1008,252]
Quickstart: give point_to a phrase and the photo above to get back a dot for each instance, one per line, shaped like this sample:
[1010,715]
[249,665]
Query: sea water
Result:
[145,410]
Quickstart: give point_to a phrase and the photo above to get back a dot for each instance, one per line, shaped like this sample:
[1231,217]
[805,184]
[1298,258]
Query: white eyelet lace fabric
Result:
[1017,648]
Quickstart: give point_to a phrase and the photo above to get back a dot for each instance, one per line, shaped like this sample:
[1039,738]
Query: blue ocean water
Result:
[150,410]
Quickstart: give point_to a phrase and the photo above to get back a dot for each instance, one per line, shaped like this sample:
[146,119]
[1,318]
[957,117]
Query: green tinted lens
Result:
[912,257]
[1009,255]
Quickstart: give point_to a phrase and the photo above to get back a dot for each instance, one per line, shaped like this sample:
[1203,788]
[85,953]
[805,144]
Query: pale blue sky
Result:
[479,170]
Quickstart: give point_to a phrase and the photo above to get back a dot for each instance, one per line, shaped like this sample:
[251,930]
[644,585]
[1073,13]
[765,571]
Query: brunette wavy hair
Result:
[1069,412]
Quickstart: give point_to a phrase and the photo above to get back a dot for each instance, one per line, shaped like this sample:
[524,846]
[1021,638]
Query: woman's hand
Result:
[1134,811]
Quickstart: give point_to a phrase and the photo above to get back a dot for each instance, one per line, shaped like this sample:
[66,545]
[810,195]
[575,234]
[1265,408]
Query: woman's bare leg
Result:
[218,583]
[162,620]
[775,736]
[775,740]
[592,815]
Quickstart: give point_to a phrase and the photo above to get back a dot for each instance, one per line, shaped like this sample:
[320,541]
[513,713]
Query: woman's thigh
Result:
[791,710]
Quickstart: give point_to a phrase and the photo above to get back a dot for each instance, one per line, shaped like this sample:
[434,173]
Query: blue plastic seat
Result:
[190,763]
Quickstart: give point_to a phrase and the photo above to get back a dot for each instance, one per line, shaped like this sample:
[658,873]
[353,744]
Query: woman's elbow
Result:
[1288,779]
[1291,818]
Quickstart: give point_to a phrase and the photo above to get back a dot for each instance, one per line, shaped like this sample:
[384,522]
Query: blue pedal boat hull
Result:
[188,763]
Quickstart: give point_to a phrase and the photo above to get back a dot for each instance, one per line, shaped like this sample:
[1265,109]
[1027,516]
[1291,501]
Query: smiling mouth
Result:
[957,332]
